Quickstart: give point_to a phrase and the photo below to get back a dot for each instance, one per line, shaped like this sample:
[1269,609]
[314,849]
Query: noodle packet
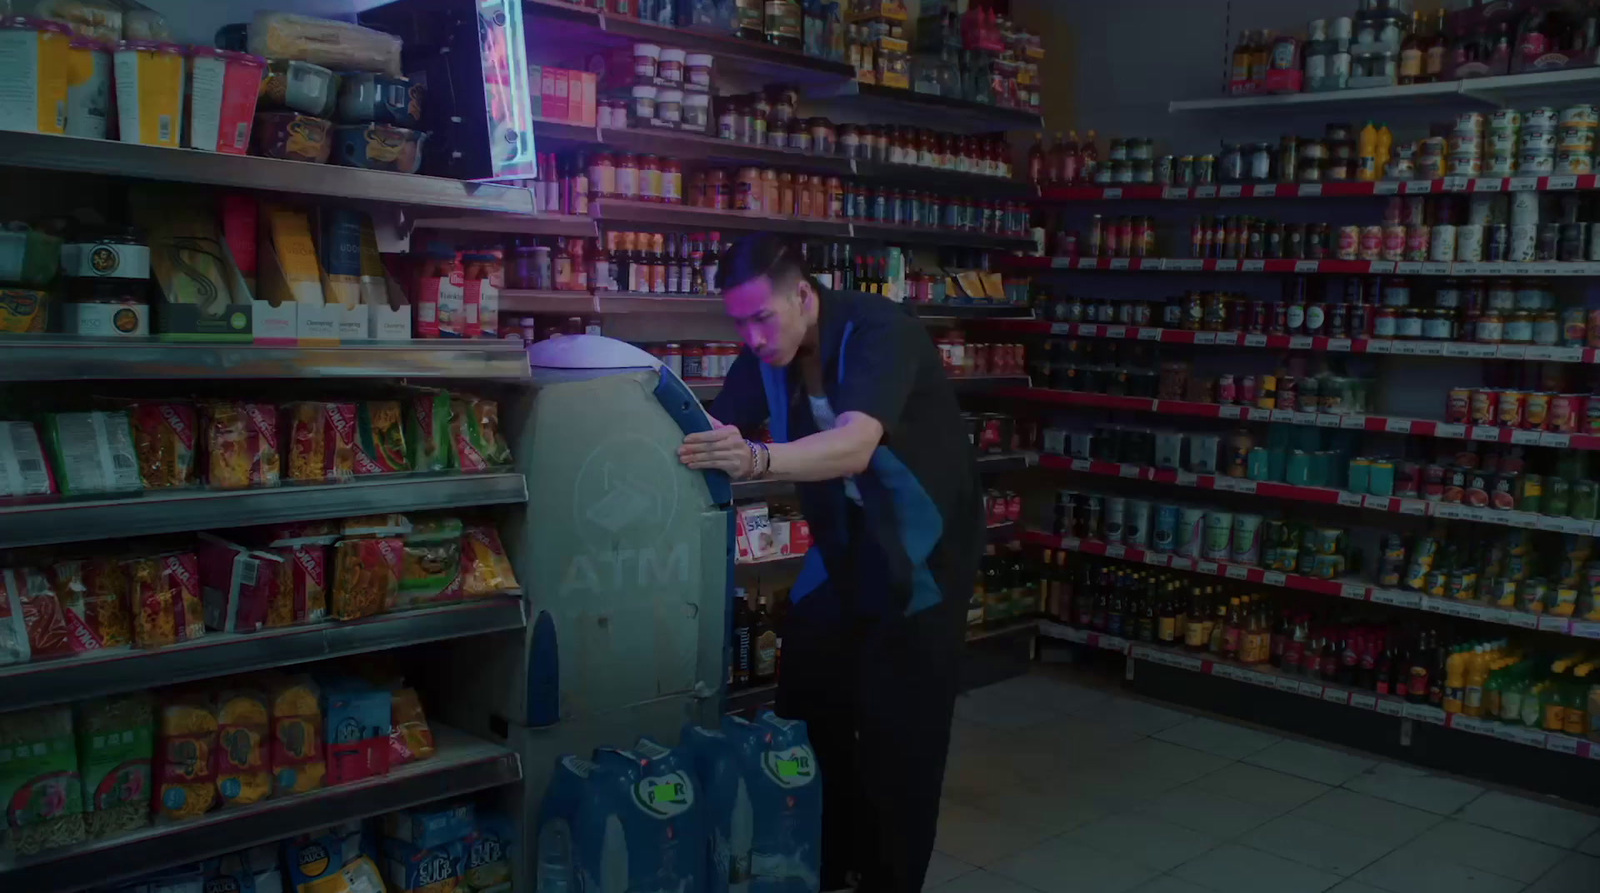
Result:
[301,594]
[475,434]
[239,584]
[94,596]
[185,758]
[164,594]
[23,469]
[241,445]
[116,743]
[430,566]
[164,433]
[92,452]
[366,578]
[39,782]
[428,431]
[376,525]
[409,736]
[381,438]
[321,441]
[485,569]
[34,600]
[296,751]
[243,727]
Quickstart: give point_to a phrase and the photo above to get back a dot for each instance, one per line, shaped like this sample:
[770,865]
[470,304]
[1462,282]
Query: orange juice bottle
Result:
[1367,153]
[1385,147]
[1477,677]
[1455,680]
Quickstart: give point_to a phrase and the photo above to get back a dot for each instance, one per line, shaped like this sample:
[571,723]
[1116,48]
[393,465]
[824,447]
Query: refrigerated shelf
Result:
[73,358]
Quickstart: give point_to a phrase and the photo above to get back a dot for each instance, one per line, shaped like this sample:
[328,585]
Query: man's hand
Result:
[723,448]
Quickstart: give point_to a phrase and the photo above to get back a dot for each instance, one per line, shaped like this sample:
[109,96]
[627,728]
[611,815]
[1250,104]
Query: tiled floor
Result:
[1060,786]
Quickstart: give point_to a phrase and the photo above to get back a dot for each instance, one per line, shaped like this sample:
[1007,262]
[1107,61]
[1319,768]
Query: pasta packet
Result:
[116,743]
[243,773]
[301,594]
[321,441]
[34,600]
[366,578]
[92,452]
[296,751]
[164,434]
[185,757]
[39,783]
[241,445]
[23,470]
[428,431]
[376,525]
[239,584]
[485,569]
[356,731]
[164,594]
[13,629]
[381,438]
[430,567]
[409,736]
[94,596]
[475,434]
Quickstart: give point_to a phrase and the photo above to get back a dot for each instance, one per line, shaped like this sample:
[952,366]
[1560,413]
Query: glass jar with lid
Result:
[1518,327]
[850,141]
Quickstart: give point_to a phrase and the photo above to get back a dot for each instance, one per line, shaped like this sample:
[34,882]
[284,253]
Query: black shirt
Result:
[920,495]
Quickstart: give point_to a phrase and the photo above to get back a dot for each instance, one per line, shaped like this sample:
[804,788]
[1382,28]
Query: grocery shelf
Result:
[648,302]
[1304,267]
[1399,505]
[536,300]
[1496,91]
[947,112]
[95,674]
[933,312]
[679,216]
[39,522]
[1331,189]
[994,464]
[73,358]
[536,224]
[1349,589]
[1400,347]
[753,698]
[793,559]
[986,384]
[1011,628]
[1349,421]
[82,155]
[928,235]
[964,182]
[1268,677]
[462,765]
[683,144]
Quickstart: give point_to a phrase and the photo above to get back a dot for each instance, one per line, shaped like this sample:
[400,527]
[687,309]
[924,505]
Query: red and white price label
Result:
[1230,191]
[1308,190]
[1357,422]
[1206,567]
[1286,683]
[1397,426]
[1307,266]
[1115,551]
[1236,572]
[1561,182]
[1274,578]
[1386,187]
[1120,263]
[1205,192]
[1339,345]
[1327,420]
[1353,590]
[1390,707]
[1265,190]
[1116,331]
[1561,744]
[1454,184]
[1351,500]
[1205,337]
[1364,701]
[1255,341]
[1522,184]
[1450,429]
[1230,412]
[1310,689]
[1251,266]
[1129,471]
[1336,696]
[1149,334]
[1061,328]
[1488,184]
[1487,433]
[1175,192]
[1413,187]
[1225,266]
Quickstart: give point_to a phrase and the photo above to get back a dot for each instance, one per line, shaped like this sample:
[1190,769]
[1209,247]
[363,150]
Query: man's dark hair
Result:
[763,254]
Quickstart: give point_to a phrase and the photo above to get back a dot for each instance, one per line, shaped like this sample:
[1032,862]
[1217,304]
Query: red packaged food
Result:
[1565,411]
[1458,407]
[94,595]
[241,445]
[164,440]
[238,584]
[321,441]
[301,595]
[1485,407]
[1512,407]
[1536,412]
[35,601]
[164,594]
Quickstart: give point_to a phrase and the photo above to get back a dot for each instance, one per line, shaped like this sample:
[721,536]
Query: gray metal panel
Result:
[462,765]
[67,358]
[218,654]
[173,511]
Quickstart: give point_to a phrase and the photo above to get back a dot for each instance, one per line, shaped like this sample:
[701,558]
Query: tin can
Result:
[1246,546]
[1371,244]
[1394,242]
[1288,397]
[1165,169]
[1557,496]
[1537,410]
[1528,491]
[1455,485]
[1349,244]
[1484,407]
[1584,502]
[1218,535]
[1247,390]
[1511,409]
[1226,391]
[1136,522]
[1458,406]
[1565,410]
[1191,531]
[1497,242]
[1417,241]
[1164,537]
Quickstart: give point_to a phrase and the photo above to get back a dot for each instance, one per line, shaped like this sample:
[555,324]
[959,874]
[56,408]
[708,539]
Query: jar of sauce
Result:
[650,179]
[717,189]
[1408,323]
[602,177]
[1384,323]
[1518,327]
[802,195]
[823,139]
[1438,324]
[799,135]
[672,181]
[835,189]
[769,190]
[696,189]
[786,202]
[627,176]
[747,194]
[849,141]
[1546,328]
[1491,327]
[727,120]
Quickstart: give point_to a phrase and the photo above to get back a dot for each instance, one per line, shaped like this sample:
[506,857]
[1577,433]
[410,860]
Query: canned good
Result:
[1557,496]
[1510,408]
[1458,405]
[1484,408]
[1565,410]
[1537,409]
[1584,501]
[1164,536]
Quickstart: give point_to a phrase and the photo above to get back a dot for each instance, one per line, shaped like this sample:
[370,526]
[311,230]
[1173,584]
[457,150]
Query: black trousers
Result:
[876,690]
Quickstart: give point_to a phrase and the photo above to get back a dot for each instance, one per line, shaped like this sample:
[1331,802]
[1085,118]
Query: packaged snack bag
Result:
[296,753]
[13,630]
[366,578]
[426,827]
[382,438]
[164,440]
[185,759]
[485,569]
[430,568]
[243,726]
[301,595]
[92,452]
[39,785]
[164,594]
[409,736]
[428,431]
[116,743]
[237,584]
[486,855]
[475,434]
[356,733]
[376,525]
[413,869]
[94,594]
[35,601]
[23,469]
[321,441]
[241,445]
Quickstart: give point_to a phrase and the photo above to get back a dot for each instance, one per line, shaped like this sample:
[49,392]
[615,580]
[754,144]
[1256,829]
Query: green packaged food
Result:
[39,782]
[475,434]
[116,741]
[430,564]
[428,431]
[92,452]
[381,438]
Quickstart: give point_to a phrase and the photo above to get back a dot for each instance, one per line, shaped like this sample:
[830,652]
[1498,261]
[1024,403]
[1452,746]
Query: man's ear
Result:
[808,296]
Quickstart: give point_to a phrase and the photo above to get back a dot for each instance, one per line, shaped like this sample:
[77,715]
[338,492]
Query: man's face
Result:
[772,321]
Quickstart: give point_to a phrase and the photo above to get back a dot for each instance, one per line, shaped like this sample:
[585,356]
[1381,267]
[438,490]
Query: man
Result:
[866,424]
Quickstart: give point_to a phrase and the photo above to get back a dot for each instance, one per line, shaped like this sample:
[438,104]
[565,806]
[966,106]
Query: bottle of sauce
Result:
[713,263]
[1412,51]
[1064,159]
[1437,52]
[1088,158]
[627,176]
[1240,62]
[564,280]
[602,176]
[672,181]
[649,179]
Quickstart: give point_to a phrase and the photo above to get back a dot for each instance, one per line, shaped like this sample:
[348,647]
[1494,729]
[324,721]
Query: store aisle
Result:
[1061,786]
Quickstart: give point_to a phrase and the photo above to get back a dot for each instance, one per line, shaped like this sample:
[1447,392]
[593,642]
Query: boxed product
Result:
[341,46]
[296,751]
[39,783]
[486,855]
[243,729]
[164,433]
[485,568]
[754,532]
[164,596]
[185,756]
[238,584]
[241,441]
[429,826]
[302,592]
[316,859]
[202,292]
[255,869]
[321,440]
[430,565]
[413,869]
[92,452]
[94,595]
[116,742]
[381,438]
[356,730]
[23,470]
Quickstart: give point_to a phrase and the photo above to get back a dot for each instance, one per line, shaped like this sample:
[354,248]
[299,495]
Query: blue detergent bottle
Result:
[786,795]
[654,839]
[563,840]
[725,799]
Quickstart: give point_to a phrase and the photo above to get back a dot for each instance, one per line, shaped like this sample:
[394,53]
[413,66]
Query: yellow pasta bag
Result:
[243,774]
[185,778]
[297,760]
[485,569]
[409,735]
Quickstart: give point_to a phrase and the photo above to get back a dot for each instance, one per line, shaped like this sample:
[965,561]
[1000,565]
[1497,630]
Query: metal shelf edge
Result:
[80,359]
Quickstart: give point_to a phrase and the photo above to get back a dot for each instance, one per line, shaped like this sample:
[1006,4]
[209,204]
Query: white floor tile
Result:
[1261,787]
[1478,847]
[1009,714]
[1313,761]
[1053,693]
[1591,844]
[1169,884]
[1051,812]
[1238,869]
[1319,846]
[1221,738]
[1406,872]
[1423,790]
[1576,873]
[1208,813]
[1368,816]
[1057,866]
[980,881]
[1146,840]
[943,868]
[1168,765]
[1131,714]
[1356,887]
[979,838]
[1527,817]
